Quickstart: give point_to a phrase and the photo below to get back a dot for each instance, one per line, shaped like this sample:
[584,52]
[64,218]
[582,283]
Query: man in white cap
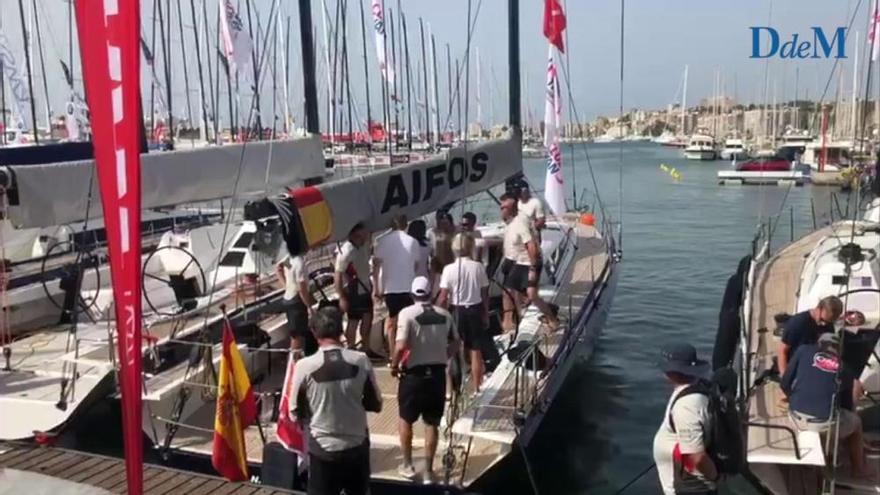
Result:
[426,339]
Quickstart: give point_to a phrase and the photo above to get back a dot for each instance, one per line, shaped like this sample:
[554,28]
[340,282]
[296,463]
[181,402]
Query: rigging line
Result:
[470,32]
[637,478]
[571,143]
[836,60]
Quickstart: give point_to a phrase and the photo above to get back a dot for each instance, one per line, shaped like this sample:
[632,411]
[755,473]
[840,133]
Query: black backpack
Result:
[724,439]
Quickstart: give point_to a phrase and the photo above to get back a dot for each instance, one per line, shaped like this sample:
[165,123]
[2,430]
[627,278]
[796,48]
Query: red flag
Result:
[554,23]
[236,410]
[108,38]
[290,434]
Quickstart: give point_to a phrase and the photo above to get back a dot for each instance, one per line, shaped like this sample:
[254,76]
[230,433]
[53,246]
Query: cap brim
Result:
[698,370]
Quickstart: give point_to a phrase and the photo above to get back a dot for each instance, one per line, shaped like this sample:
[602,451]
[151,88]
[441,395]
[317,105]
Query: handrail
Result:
[790,431]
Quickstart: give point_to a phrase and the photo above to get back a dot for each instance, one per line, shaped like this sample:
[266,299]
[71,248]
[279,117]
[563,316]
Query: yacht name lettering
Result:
[425,181]
[821,46]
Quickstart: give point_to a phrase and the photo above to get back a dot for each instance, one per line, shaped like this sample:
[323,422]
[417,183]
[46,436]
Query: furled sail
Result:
[313,215]
[168,179]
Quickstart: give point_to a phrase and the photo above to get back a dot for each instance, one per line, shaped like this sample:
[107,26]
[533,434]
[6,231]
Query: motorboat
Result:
[734,149]
[700,147]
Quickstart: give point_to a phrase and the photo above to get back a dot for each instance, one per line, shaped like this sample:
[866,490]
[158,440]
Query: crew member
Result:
[333,389]
[298,304]
[532,207]
[465,286]
[395,263]
[521,265]
[352,282]
[469,226]
[426,339]
[806,327]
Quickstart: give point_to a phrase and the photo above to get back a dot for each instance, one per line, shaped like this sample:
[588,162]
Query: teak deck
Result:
[108,473]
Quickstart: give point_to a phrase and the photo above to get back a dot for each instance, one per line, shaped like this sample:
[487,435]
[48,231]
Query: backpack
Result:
[724,438]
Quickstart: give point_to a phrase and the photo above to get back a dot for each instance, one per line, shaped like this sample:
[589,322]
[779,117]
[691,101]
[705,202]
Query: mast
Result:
[366,76]
[274,76]
[166,62]
[30,79]
[42,66]
[394,92]
[425,76]
[215,95]
[202,94]
[458,99]
[436,91]
[310,88]
[684,97]
[185,70]
[855,90]
[450,95]
[287,120]
[3,109]
[345,67]
[331,117]
[479,95]
[408,82]
[255,58]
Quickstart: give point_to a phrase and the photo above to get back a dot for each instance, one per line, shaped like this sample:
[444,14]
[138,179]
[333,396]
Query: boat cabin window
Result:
[244,241]
[233,259]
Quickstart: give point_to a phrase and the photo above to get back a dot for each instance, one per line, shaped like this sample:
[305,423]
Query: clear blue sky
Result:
[662,36]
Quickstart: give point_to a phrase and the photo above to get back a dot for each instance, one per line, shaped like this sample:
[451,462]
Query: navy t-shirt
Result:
[810,382]
[802,329]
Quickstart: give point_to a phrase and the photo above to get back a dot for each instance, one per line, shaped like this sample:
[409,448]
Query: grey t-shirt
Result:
[334,388]
[427,331]
[691,418]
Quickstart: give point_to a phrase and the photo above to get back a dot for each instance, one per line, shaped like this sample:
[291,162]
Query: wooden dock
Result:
[108,473]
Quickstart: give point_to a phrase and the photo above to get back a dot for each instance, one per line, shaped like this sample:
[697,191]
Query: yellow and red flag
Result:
[236,410]
[317,222]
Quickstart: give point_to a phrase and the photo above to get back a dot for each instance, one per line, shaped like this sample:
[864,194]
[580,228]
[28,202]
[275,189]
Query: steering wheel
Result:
[168,281]
[86,262]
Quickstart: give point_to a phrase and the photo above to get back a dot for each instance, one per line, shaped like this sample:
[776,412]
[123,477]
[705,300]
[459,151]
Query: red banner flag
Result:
[289,432]
[554,23]
[108,38]
[236,410]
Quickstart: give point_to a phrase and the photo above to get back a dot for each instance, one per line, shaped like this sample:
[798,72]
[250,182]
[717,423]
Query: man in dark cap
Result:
[680,450]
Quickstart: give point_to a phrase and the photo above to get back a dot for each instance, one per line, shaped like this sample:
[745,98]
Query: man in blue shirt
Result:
[805,328]
[811,384]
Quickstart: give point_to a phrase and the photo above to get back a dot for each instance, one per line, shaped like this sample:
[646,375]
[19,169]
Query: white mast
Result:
[684,95]
[479,98]
[435,95]
[330,88]
[855,89]
[282,42]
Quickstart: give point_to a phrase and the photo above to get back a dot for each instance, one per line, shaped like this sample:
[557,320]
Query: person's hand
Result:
[343,304]
[395,371]
[376,296]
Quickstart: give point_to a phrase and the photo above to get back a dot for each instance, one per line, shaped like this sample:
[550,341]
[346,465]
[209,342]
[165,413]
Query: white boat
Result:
[700,147]
[827,157]
[734,149]
[839,259]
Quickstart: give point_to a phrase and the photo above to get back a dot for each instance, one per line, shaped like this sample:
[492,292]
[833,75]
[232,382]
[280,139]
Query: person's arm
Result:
[298,400]
[338,284]
[540,217]
[445,287]
[400,345]
[453,341]
[782,357]
[484,294]
[377,267]
[689,414]
[790,372]
[279,270]
[372,399]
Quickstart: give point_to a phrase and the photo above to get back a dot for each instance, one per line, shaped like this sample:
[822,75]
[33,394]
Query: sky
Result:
[661,38]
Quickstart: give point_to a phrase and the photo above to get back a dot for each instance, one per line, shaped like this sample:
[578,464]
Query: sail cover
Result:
[168,179]
[326,213]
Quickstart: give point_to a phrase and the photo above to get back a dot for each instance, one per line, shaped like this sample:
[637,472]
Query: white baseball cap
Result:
[421,287]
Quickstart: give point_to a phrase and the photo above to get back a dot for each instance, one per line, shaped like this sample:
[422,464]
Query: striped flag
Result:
[236,410]
[289,432]
[378,8]
[237,43]
[874,33]
[554,185]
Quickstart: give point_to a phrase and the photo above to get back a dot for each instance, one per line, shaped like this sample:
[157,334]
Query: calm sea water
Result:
[681,240]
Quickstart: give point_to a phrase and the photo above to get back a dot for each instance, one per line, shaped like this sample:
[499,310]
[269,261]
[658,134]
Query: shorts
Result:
[359,305]
[347,470]
[396,302]
[422,392]
[849,423]
[517,277]
[297,317]
[470,325]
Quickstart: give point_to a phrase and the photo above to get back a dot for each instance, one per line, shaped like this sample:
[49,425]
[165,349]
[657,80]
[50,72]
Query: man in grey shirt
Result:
[333,389]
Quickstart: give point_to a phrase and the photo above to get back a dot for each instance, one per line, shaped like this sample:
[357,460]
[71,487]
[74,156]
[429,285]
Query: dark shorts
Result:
[396,302]
[422,392]
[359,305]
[470,325]
[347,470]
[298,325]
[516,277]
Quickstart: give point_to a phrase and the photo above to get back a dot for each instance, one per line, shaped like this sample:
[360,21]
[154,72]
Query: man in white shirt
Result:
[298,303]
[521,265]
[532,207]
[352,282]
[395,264]
[464,289]
[680,450]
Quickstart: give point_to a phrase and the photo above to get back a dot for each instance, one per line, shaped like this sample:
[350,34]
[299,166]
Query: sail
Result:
[168,179]
[18,84]
[327,212]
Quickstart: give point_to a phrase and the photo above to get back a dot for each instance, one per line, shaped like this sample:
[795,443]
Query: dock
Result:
[28,468]
[735,177]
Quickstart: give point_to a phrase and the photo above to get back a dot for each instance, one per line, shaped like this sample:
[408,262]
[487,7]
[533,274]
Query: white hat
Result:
[421,287]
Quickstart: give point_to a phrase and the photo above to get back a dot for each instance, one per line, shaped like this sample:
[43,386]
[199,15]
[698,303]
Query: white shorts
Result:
[849,423]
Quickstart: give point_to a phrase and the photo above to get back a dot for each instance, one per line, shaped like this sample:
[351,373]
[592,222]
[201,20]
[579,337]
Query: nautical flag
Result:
[17,83]
[554,23]
[314,214]
[236,410]
[108,39]
[554,186]
[289,432]
[236,42]
[378,8]
[874,33]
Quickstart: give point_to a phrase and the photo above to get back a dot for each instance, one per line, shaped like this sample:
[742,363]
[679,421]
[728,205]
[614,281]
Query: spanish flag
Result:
[236,410]
[314,214]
